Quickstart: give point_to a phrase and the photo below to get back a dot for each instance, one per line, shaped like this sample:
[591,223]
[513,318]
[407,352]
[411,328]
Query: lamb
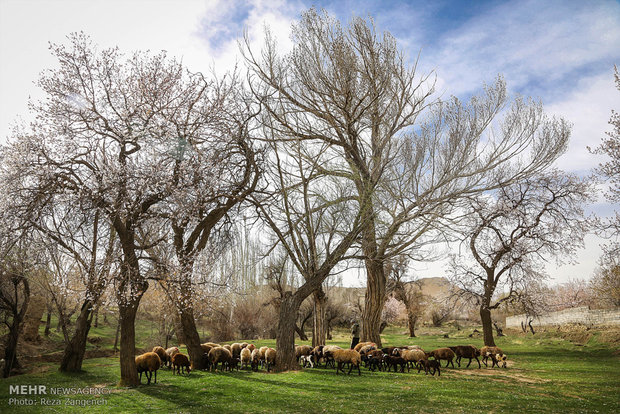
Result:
[307,360]
[429,364]
[170,352]
[376,362]
[246,357]
[163,356]
[148,363]
[180,362]
[217,355]
[493,352]
[466,351]
[393,361]
[350,356]
[270,358]
[443,353]
[302,350]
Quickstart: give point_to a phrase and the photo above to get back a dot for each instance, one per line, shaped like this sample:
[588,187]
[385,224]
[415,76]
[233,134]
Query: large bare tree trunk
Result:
[374,302]
[127,315]
[32,320]
[285,333]
[318,314]
[192,338]
[487,325]
[76,348]
[412,319]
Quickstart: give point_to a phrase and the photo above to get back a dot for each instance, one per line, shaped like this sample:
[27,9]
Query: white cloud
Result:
[588,107]
[179,27]
[532,41]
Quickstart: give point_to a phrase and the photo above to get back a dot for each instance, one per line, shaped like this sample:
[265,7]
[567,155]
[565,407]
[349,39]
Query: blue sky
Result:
[560,52]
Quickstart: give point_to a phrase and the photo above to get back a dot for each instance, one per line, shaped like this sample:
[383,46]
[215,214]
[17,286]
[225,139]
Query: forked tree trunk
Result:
[318,315]
[487,325]
[374,302]
[192,338]
[75,349]
[285,333]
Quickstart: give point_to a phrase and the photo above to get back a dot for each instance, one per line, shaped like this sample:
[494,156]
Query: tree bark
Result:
[118,331]
[76,348]
[48,320]
[318,315]
[192,338]
[487,325]
[10,350]
[412,319]
[374,302]
[285,333]
[127,319]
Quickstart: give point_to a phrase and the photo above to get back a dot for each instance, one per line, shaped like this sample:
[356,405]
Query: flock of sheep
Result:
[246,355]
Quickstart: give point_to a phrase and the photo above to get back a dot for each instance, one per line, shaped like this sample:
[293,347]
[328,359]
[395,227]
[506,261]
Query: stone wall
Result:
[574,315]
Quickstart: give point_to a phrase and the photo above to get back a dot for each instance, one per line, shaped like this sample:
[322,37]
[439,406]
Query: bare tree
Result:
[111,133]
[408,291]
[353,90]
[605,283]
[310,216]
[512,232]
[610,170]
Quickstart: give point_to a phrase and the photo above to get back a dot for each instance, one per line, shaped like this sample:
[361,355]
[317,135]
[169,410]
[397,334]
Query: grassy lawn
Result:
[545,374]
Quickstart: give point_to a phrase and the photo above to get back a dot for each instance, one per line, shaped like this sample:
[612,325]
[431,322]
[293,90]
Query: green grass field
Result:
[545,374]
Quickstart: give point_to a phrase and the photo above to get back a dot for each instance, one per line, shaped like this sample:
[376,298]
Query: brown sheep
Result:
[212,344]
[302,350]
[361,344]
[235,349]
[466,351]
[217,355]
[347,356]
[180,363]
[255,359]
[148,363]
[251,347]
[163,356]
[443,353]
[270,358]
[429,364]
[226,346]
[206,348]
[413,356]
[366,349]
[328,354]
